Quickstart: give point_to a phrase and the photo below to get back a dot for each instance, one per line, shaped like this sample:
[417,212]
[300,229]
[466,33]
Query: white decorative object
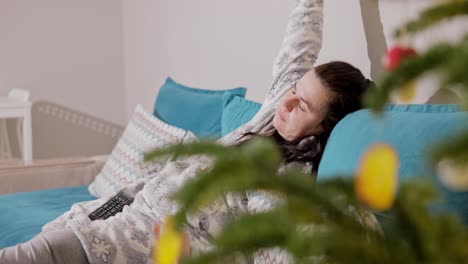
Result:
[17,105]
[5,149]
[453,175]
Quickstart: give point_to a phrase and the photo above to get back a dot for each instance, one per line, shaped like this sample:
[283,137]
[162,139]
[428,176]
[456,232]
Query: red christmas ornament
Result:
[395,55]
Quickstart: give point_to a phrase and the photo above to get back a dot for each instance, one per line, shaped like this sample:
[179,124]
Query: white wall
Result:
[218,44]
[104,57]
[65,51]
[213,44]
[343,35]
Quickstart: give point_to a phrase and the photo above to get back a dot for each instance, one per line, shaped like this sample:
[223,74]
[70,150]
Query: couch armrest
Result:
[49,174]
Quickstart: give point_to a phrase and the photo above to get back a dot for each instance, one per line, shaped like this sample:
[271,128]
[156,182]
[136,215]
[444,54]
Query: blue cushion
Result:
[193,109]
[23,214]
[410,129]
[237,111]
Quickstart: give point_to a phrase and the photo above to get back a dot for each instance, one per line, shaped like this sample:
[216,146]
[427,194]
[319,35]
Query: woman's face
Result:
[302,109]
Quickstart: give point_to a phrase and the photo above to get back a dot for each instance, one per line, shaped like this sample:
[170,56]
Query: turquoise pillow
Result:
[194,109]
[236,112]
[410,129]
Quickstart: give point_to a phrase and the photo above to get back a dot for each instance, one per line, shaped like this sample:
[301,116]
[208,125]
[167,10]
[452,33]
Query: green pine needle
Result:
[194,148]
[455,149]
[433,16]
[454,71]
[313,221]
[409,69]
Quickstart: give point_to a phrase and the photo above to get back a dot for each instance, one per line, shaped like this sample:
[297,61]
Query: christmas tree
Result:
[323,222]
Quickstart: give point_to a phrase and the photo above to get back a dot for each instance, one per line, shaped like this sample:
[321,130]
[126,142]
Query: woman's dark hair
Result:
[347,85]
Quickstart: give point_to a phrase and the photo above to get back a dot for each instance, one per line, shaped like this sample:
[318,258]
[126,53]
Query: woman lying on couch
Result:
[300,110]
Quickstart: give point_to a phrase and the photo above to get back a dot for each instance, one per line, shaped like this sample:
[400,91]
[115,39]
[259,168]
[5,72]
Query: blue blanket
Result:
[22,215]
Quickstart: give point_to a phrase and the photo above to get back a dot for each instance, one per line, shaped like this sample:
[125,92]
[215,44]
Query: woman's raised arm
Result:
[300,47]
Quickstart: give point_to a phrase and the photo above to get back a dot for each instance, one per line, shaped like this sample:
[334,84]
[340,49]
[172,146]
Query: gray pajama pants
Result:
[52,247]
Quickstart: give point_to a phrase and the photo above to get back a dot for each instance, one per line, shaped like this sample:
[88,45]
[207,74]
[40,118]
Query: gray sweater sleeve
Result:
[300,46]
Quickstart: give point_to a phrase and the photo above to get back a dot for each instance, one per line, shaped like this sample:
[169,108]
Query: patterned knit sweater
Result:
[127,237]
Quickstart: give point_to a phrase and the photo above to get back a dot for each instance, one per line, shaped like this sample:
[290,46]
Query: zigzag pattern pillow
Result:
[125,165]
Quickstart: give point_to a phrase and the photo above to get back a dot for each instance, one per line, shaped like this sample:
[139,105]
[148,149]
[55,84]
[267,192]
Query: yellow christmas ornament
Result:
[377,177]
[406,93]
[168,248]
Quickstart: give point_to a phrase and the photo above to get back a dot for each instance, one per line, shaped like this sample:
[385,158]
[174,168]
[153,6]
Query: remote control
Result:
[111,207]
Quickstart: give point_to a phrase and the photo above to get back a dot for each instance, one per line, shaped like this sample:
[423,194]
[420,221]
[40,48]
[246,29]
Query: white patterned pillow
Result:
[125,165]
